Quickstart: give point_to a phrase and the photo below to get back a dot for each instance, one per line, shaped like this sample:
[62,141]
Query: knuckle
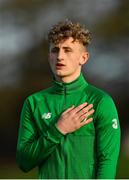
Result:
[90,113]
[86,109]
[80,107]
[76,115]
[87,114]
[83,110]
[62,113]
[69,114]
[75,119]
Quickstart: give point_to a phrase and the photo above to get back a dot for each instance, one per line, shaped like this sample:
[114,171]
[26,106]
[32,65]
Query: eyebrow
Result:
[65,48]
[55,47]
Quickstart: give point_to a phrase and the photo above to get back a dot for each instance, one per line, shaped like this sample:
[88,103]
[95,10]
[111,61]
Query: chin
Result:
[60,74]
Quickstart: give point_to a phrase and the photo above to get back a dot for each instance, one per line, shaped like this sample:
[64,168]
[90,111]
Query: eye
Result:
[54,50]
[68,50]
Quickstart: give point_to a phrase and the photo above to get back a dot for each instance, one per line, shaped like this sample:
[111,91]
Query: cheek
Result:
[50,62]
[52,56]
[52,59]
[74,61]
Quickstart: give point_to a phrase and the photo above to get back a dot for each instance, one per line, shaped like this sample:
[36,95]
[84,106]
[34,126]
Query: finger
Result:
[85,110]
[90,112]
[78,108]
[85,116]
[69,109]
[87,121]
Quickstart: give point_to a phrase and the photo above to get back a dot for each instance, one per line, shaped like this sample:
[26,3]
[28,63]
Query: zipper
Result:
[64,103]
[64,144]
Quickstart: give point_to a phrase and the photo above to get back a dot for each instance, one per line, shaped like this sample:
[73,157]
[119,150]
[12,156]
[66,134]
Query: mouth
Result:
[59,65]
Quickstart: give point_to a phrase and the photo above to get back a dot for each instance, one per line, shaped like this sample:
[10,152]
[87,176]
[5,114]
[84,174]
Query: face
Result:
[66,59]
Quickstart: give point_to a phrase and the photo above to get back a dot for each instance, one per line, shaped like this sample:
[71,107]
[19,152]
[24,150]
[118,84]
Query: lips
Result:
[59,65]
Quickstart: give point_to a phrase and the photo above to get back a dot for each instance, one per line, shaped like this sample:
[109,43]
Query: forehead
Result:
[69,42]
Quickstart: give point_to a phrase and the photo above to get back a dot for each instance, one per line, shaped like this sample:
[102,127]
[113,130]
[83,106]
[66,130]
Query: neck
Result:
[67,79]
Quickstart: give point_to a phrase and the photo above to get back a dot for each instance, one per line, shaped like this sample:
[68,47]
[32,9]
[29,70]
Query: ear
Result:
[84,57]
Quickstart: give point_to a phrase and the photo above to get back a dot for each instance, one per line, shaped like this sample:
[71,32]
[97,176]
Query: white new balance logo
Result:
[114,125]
[46,115]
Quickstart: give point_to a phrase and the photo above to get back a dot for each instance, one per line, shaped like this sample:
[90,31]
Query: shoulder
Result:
[35,98]
[98,94]
[103,102]
[40,94]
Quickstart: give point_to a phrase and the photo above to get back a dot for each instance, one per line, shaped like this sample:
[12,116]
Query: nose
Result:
[60,56]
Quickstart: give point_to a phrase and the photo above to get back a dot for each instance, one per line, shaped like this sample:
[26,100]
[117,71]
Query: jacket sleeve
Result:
[108,138]
[33,148]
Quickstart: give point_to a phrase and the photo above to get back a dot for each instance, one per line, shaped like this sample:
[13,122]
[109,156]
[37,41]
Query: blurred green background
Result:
[24,68]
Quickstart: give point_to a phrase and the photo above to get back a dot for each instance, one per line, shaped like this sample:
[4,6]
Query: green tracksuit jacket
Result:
[90,152]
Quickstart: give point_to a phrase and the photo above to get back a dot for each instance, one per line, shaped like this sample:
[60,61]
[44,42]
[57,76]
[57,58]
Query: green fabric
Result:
[90,152]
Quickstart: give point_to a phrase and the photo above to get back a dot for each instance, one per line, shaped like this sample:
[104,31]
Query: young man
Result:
[70,130]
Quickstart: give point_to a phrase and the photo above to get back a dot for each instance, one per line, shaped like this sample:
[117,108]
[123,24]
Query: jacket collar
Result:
[72,87]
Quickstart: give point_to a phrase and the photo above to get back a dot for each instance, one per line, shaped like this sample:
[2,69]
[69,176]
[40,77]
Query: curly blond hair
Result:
[65,29]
